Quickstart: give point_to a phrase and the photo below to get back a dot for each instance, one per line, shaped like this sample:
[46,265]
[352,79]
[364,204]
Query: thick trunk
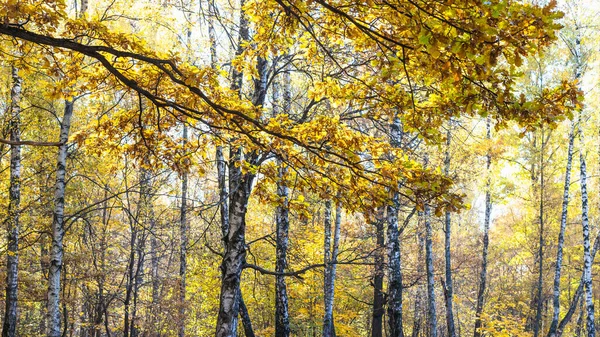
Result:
[56,255]
[378,299]
[561,237]
[448,286]
[240,185]
[430,273]
[587,259]
[235,253]
[183,243]
[486,241]
[12,257]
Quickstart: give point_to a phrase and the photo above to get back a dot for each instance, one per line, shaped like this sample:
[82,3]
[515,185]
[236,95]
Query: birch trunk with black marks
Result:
[430,273]
[9,326]
[395,321]
[561,237]
[327,318]
[282,319]
[587,259]
[183,244]
[235,251]
[448,284]
[486,239]
[330,269]
[579,59]
[58,230]
[379,273]
[240,186]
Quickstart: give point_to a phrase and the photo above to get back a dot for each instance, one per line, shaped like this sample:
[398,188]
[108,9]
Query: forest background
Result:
[299,168]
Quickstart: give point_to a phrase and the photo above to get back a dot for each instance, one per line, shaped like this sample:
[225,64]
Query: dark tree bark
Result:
[246,322]
[486,240]
[9,327]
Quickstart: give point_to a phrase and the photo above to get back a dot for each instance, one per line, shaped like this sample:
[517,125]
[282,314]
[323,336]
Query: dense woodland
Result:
[299,168]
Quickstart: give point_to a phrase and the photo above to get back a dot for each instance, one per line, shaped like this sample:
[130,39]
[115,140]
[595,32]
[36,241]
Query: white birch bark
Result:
[56,254]
[9,327]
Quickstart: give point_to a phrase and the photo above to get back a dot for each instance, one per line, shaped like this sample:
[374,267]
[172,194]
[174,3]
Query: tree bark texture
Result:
[9,327]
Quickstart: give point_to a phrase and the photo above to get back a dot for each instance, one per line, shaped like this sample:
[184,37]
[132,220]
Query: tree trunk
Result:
[138,281]
[587,259]
[9,327]
[430,273]
[561,237]
[235,254]
[56,255]
[282,320]
[328,316]
[448,286]
[394,258]
[330,269]
[540,284]
[395,270]
[130,278]
[246,322]
[240,187]
[183,238]
[486,240]
[378,299]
